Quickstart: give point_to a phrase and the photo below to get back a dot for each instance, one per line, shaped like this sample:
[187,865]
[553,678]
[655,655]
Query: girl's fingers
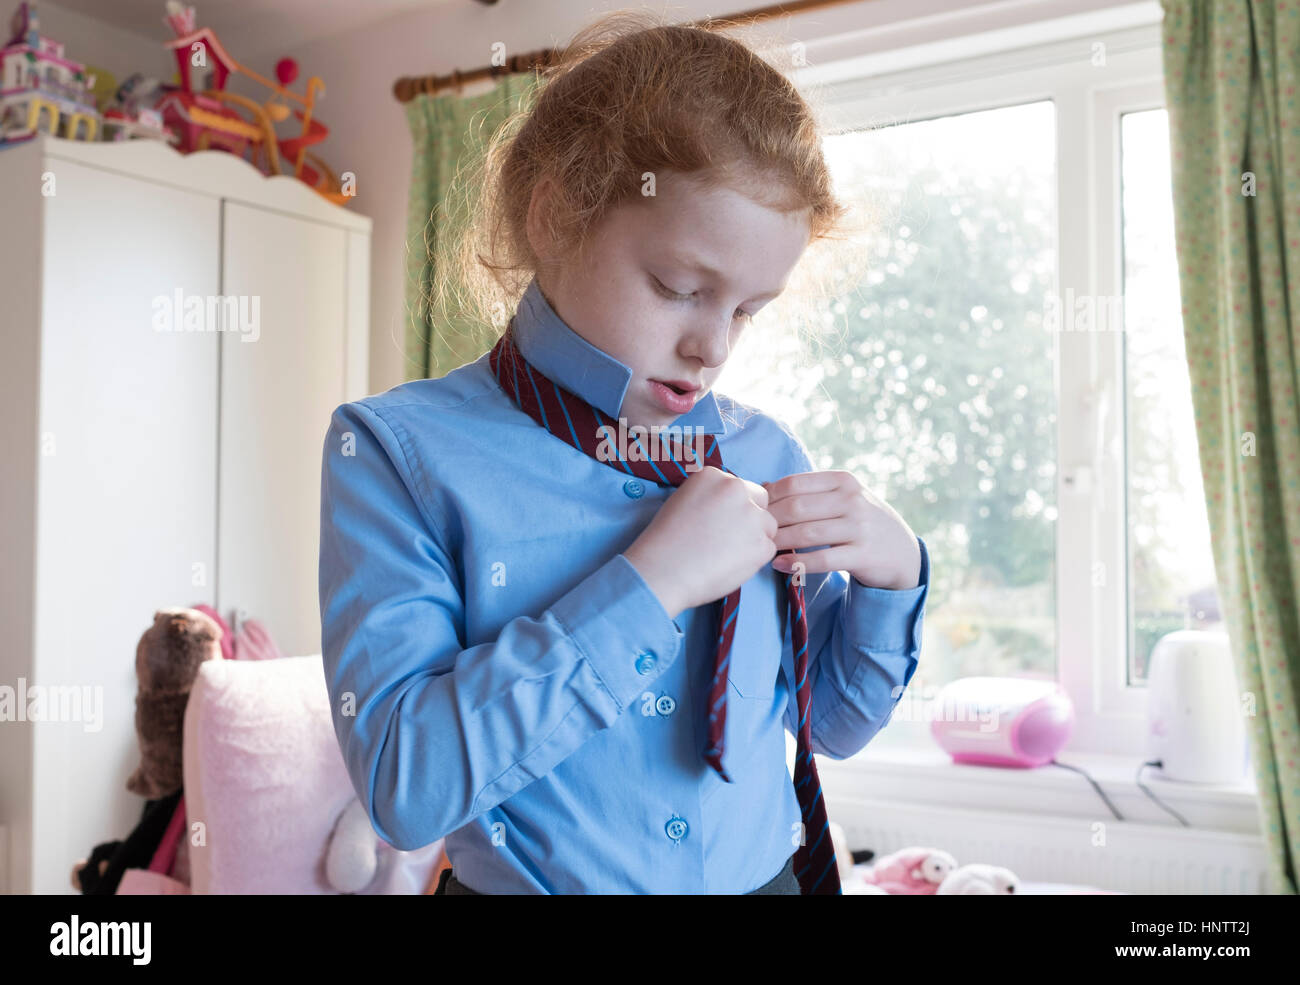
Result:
[827,559]
[833,532]
[807,506]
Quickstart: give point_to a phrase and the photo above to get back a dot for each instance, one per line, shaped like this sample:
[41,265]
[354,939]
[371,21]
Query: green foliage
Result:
[945,384]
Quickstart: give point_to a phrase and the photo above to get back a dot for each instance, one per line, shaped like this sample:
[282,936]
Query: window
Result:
[1171,568]
[1048,459]
[943,399]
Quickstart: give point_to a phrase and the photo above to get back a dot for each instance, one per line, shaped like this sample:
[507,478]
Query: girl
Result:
[579,669]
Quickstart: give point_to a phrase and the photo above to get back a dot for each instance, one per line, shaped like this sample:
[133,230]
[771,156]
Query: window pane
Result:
[935,380]
[1171,580]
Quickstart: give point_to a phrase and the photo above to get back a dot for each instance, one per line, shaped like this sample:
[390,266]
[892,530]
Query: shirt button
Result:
[665,705]
[676,829]
[634,488]
[646,662]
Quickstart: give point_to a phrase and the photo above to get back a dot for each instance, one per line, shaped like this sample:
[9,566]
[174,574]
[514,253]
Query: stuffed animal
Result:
[352,857]
[911,871]
[167,660]
[979,880]
[357,860]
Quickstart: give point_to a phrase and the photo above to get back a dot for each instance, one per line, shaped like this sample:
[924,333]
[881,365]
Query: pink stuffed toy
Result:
[911,871]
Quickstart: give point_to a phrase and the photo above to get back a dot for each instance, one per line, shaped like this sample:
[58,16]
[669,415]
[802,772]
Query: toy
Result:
[207,116]
[979,880]
[129,115]
[167,660]
[41,89]
[911,871]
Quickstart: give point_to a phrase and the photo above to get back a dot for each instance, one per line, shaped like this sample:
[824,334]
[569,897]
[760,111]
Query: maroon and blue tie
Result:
[574,420]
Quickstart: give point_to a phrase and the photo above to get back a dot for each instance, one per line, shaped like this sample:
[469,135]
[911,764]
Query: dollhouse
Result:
[41,89]
[206,115]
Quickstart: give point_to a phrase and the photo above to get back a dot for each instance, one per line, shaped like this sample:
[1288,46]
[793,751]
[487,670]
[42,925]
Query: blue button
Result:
[665,705]
[634,488]
[676,829]
[646,662]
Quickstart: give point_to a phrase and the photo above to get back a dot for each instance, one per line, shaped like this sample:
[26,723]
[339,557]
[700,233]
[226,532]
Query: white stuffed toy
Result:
[979,880]
[359,861]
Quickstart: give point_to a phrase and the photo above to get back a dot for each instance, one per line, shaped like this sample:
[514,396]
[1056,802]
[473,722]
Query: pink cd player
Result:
[1002,721]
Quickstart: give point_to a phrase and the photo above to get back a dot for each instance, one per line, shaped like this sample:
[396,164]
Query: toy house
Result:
[204,115]
[40,88]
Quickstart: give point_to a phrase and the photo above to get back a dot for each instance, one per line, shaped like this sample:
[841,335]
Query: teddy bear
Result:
[914,871]
[167,660]
[979,880]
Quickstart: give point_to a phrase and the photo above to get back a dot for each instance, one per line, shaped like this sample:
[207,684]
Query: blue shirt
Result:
[501,675]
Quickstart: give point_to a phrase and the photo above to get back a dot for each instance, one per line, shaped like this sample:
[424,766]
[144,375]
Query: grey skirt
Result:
[782,884]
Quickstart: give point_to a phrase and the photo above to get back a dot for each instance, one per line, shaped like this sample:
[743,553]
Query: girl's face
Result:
[668,283]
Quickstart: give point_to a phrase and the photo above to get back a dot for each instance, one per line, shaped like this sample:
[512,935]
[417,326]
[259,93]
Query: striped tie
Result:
[577,422]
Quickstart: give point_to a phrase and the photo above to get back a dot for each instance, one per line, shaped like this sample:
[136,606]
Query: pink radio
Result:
[1002,721]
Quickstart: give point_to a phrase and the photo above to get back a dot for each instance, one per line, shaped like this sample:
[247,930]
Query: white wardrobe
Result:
[148,462]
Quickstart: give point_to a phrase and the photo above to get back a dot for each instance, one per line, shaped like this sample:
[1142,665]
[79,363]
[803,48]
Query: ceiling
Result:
[251,27]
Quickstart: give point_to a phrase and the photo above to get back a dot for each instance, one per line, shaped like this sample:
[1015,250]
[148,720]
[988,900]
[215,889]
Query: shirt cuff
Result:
[621,628]
[888,619]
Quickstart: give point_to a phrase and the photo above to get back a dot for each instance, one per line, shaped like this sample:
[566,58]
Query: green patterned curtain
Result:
[446,129]
[1230,72]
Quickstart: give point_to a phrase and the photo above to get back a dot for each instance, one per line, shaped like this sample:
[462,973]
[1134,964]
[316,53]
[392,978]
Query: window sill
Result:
[929,776]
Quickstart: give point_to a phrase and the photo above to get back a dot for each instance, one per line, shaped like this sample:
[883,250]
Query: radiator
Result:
[1103,853]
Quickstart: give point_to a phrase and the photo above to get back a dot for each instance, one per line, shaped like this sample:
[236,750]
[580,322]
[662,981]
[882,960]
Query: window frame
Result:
[1092,622]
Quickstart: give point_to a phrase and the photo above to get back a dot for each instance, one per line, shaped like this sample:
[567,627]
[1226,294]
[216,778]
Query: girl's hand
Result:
[710,537]
[865,536]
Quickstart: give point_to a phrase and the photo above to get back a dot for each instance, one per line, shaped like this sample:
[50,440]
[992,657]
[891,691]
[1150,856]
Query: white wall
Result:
[100,45]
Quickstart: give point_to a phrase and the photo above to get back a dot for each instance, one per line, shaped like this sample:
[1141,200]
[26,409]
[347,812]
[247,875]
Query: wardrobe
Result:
[176,332]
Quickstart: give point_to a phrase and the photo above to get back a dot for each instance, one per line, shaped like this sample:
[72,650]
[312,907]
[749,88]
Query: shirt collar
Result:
[562,355]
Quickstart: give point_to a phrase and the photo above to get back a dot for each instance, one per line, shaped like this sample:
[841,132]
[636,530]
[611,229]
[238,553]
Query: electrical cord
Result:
[1158,763]
[1100,793]
[1138,779]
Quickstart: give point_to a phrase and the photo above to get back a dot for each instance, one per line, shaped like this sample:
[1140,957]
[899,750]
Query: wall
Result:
[101,45]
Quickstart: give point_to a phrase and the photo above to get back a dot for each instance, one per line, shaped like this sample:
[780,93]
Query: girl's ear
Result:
[538,226]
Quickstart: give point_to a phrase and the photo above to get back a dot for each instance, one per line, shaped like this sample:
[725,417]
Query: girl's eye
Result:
[674,296]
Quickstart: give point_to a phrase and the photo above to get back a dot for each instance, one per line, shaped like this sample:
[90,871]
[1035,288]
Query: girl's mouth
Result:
[677,396]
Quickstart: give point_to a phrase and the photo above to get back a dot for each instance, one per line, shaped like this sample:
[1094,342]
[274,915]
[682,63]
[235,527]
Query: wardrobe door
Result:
[126,512]
[282,374]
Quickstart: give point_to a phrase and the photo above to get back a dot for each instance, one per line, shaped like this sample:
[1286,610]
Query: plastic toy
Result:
[130,113]
[206,116]
[40,89]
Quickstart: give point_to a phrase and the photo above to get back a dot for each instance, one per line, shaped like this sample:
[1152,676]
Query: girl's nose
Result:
[711,343]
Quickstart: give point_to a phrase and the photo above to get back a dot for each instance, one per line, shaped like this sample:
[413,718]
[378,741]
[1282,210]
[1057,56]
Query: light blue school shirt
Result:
[501,675]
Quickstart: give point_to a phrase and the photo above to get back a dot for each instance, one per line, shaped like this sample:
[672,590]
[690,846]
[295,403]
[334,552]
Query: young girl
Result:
[578,663]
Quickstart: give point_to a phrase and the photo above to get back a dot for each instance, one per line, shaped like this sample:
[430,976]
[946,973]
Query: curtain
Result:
[446,130]
[1230,71]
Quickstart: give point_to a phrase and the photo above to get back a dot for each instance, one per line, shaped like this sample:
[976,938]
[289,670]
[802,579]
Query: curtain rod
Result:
[409,86]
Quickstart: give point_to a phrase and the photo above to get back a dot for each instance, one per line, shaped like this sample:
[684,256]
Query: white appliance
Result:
[1196,715]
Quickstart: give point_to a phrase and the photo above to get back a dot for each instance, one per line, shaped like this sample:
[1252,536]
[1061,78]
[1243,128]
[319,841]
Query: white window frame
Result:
[1092,635]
